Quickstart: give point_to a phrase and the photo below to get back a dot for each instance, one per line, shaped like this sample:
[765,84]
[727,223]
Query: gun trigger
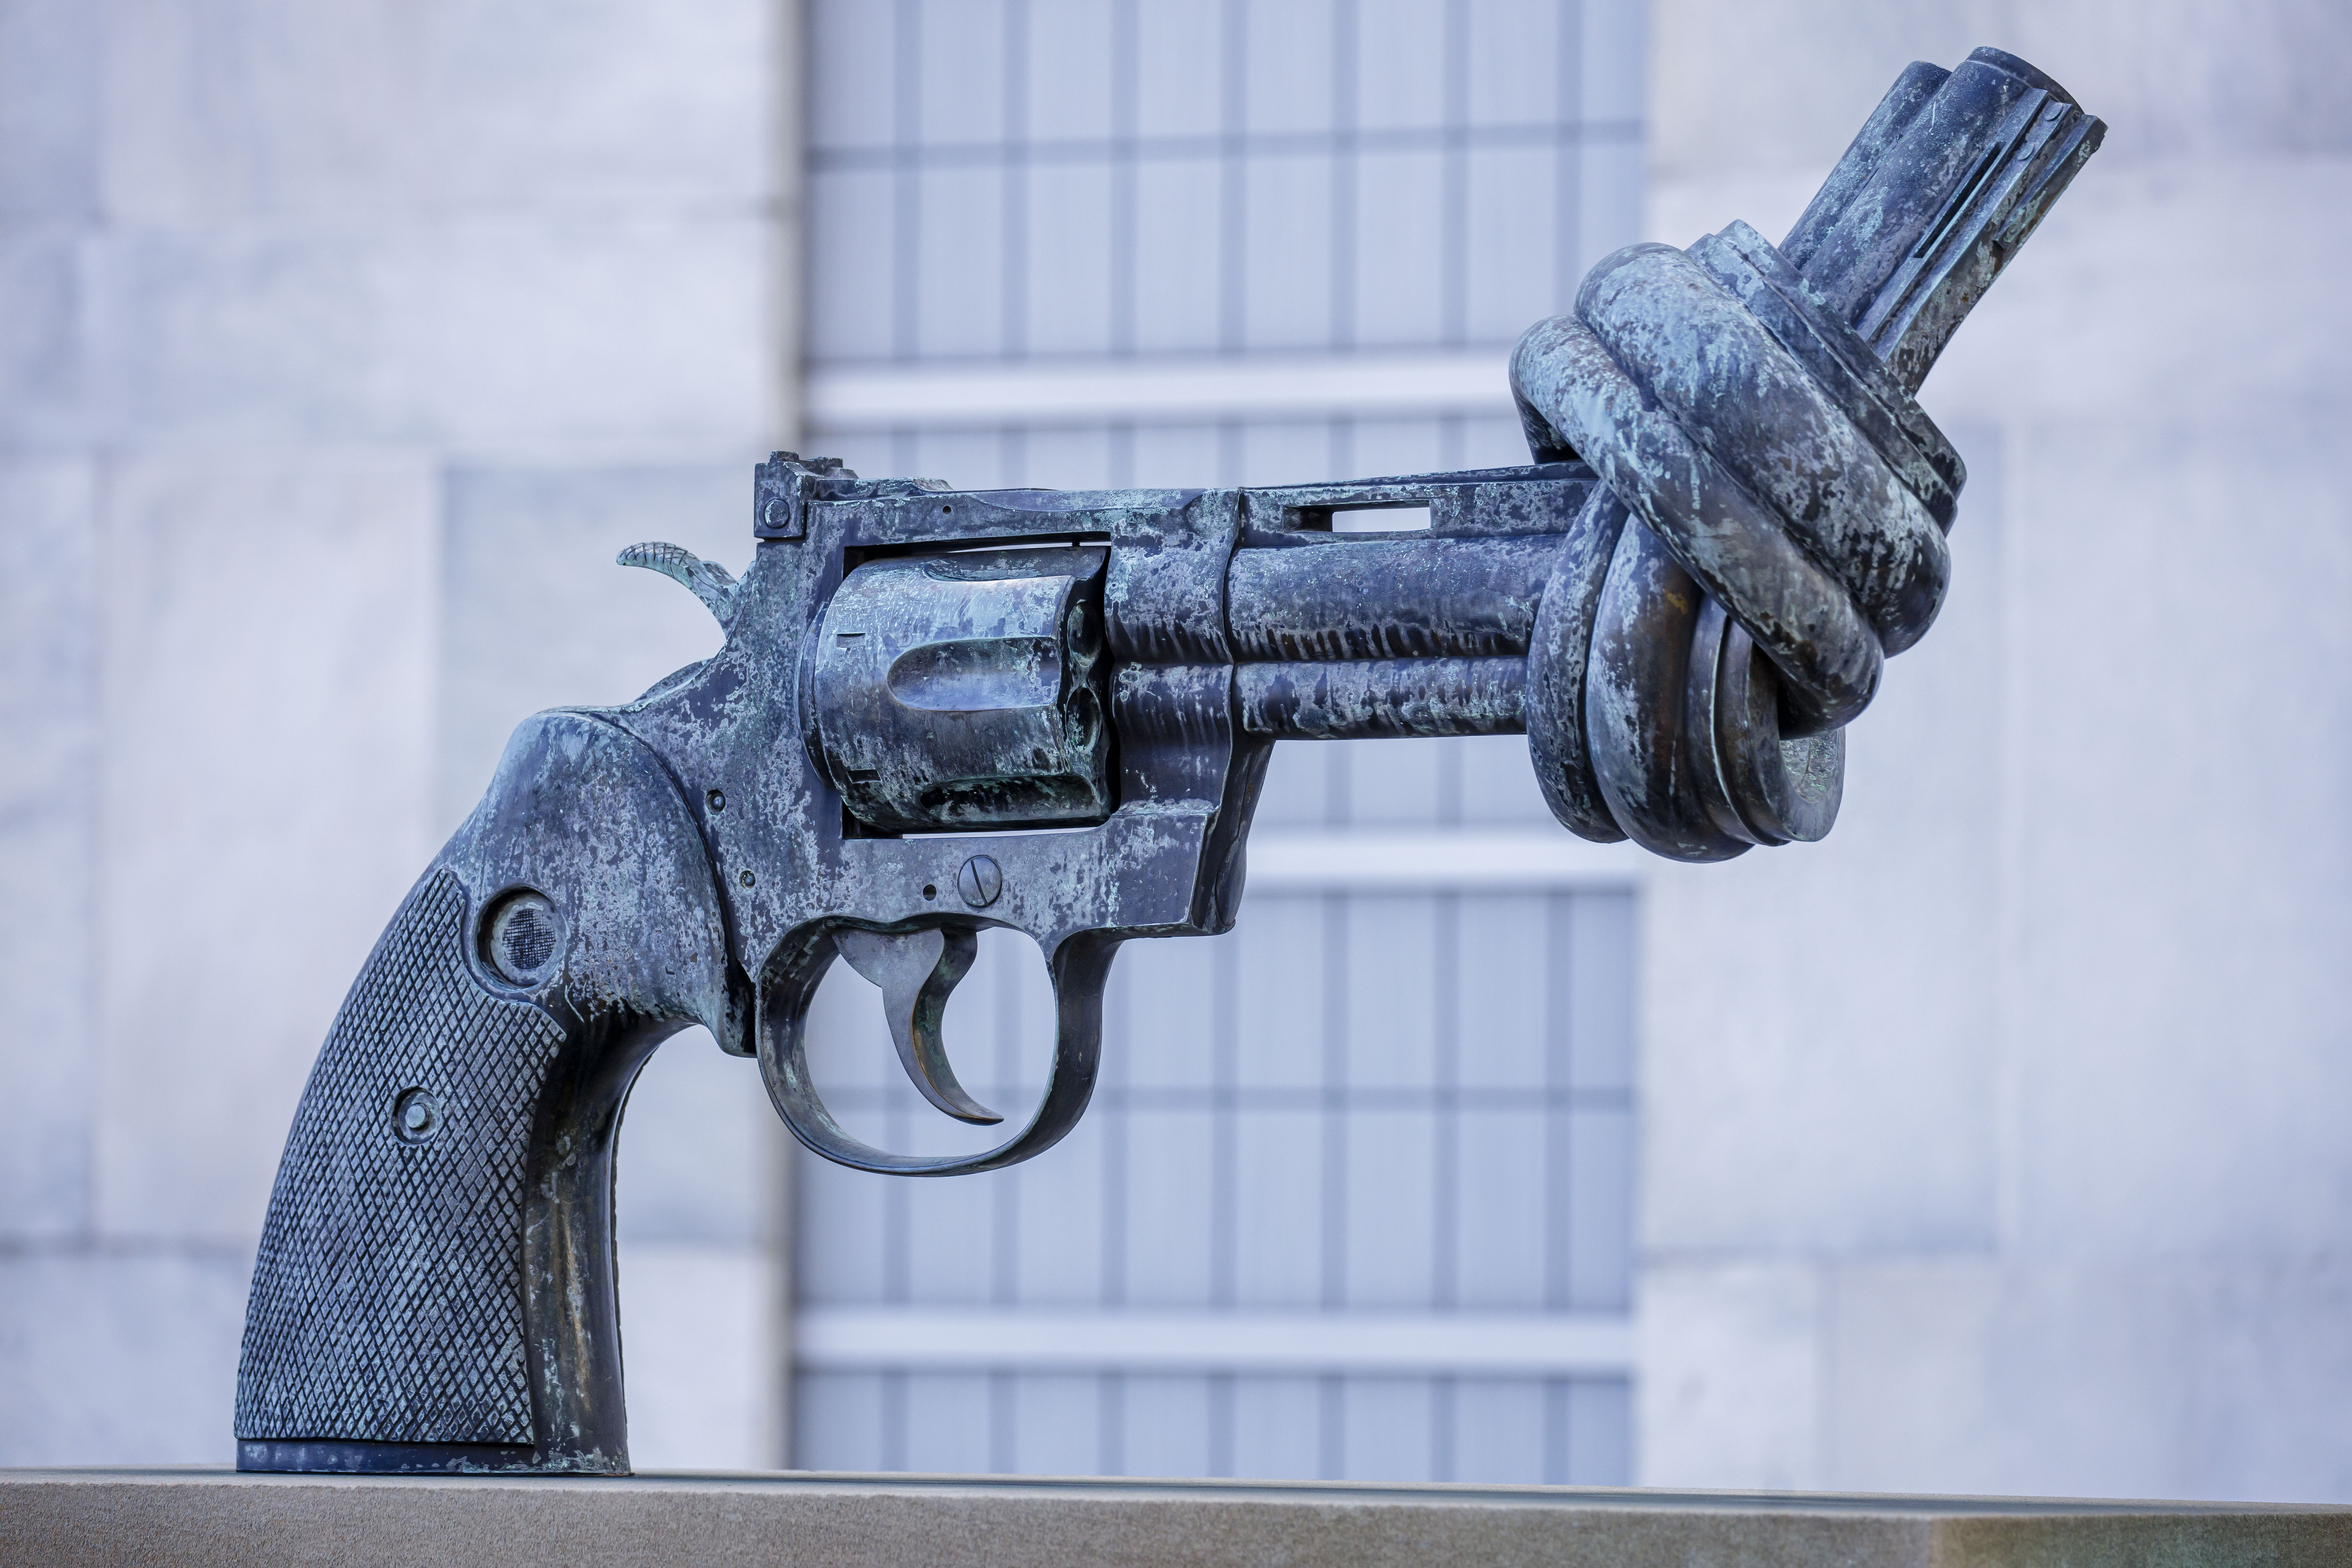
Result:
[917,971]
[706,580]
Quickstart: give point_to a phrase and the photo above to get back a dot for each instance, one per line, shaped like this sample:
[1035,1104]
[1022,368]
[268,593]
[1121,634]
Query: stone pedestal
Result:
[203,1518]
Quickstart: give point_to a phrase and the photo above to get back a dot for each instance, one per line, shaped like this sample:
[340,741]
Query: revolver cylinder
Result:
[964,689]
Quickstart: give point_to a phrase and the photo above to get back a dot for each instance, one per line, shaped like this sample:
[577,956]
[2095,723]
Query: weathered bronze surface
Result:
[1735,512]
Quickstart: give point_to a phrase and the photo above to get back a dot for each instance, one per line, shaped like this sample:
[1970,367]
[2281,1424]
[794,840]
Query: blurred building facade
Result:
[1353,1199]
[1993,1145]
[1997,1146]
[343,344]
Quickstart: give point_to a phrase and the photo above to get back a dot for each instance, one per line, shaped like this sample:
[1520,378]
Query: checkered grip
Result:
[387,1301]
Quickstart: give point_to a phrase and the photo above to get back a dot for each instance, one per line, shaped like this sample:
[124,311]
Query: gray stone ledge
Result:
[204,1516]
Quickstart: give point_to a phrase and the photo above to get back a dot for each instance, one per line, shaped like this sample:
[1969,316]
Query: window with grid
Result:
[1354,1195]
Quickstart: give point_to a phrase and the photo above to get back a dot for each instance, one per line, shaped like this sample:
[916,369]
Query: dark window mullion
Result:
[1013,332]
[1345,69]
[1453,198]
[1126,84]
[1568,239]
[906,186]
[1233,320]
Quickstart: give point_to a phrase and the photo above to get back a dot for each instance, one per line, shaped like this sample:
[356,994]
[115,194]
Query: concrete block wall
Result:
[1997,1144]
[341,346]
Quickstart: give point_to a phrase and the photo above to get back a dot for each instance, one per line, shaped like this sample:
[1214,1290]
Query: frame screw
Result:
[415,1117]
[980,881]
[522,939]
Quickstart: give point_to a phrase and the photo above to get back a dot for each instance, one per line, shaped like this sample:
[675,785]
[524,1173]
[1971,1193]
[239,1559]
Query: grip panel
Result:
[387,1299]
[436,1288]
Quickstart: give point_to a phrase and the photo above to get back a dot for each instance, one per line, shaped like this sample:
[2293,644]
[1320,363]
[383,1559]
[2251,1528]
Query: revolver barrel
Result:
[1351,636]
[1353,597]
[1382,698]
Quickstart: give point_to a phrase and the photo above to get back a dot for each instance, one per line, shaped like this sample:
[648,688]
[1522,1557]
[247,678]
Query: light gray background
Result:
[1996,1144]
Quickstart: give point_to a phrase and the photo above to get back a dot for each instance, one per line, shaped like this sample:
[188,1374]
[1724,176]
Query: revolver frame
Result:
[806,873]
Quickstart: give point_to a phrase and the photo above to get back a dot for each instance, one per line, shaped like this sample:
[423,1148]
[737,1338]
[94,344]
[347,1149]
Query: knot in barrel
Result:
[1772,529]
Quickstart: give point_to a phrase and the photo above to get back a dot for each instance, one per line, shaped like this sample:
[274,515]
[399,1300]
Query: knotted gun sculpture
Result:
[940,710]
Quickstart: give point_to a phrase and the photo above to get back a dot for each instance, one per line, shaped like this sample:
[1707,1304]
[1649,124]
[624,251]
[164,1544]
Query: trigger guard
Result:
[1078,968]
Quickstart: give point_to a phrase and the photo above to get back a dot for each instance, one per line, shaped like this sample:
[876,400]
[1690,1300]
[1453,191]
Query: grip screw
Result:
[522,939]
[415,1117]
[747,878]
[717,799]
[980,881]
